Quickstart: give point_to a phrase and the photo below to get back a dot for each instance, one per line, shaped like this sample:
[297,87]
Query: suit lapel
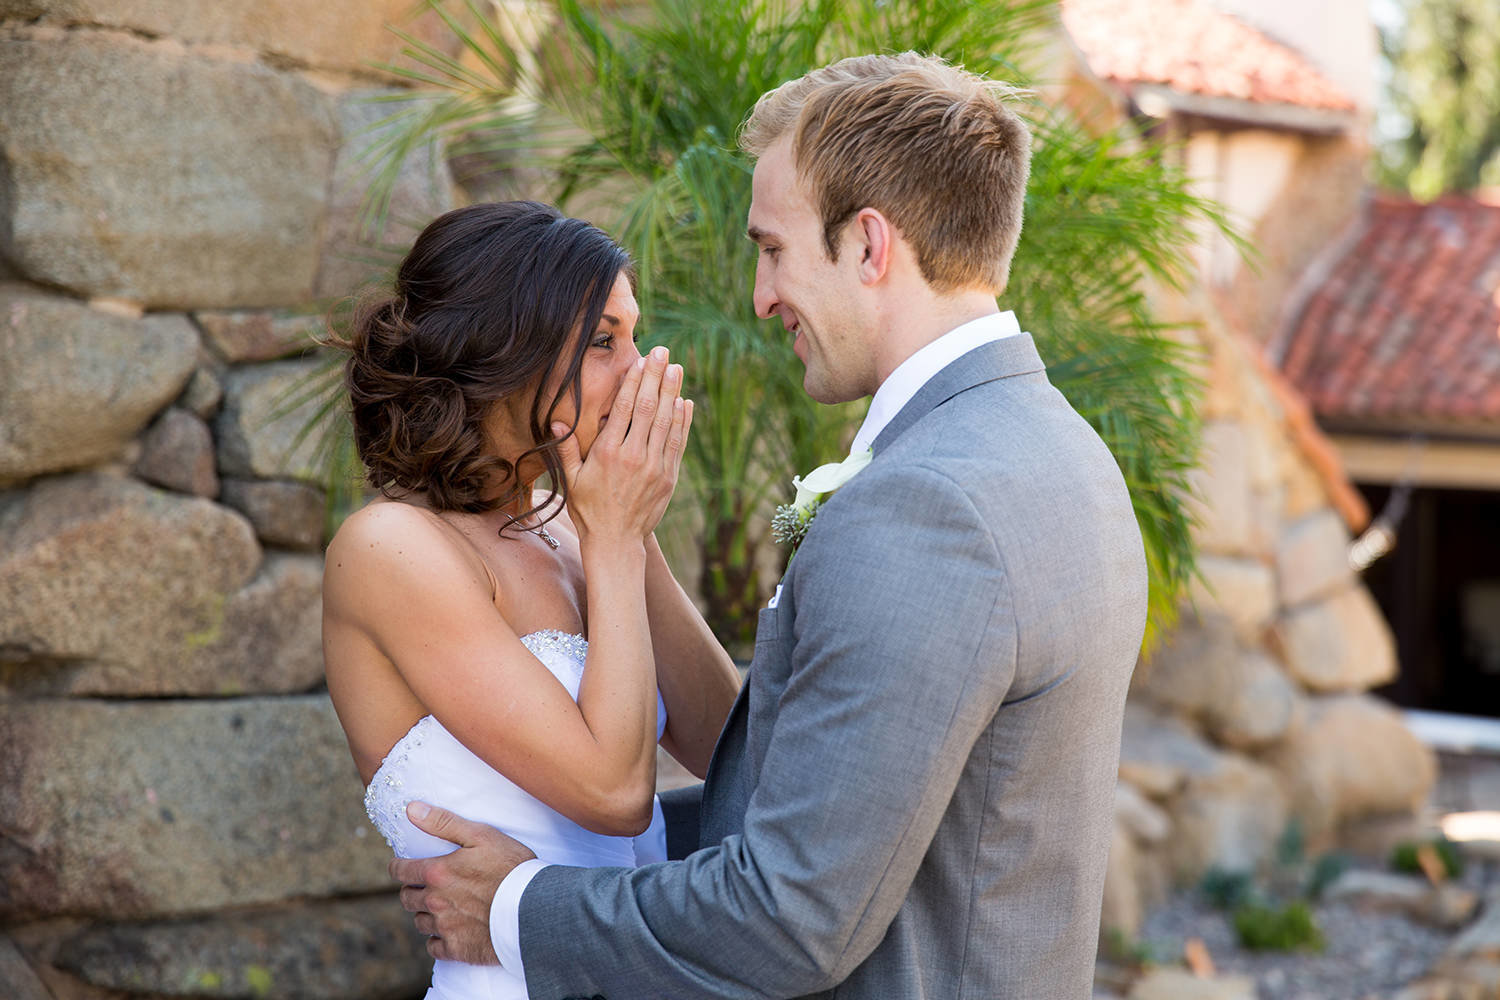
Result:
[1004,358]
[1014,355]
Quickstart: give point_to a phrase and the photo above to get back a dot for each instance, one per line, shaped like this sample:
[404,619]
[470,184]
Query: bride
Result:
[516,655]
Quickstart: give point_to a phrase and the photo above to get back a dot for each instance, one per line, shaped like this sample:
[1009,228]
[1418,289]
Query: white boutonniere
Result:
[792,519]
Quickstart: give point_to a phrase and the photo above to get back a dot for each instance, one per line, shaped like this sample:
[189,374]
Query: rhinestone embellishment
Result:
[384,803]
[575,647]
[386,798]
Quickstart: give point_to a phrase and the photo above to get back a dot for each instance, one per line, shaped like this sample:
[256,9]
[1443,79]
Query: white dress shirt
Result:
[894,393]
[913,373]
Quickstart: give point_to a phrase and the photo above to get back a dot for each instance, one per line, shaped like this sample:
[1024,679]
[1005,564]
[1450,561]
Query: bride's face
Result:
[610,354]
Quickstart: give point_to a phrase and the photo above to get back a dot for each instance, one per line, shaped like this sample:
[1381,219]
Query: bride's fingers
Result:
[647,398]
[567,452]
[676,437]
[623,407]
[666,408]
[680,437]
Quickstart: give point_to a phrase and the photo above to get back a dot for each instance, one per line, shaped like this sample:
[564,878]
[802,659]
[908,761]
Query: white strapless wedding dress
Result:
[429,764]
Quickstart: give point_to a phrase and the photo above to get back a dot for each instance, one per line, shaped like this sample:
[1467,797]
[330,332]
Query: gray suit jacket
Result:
[913,795]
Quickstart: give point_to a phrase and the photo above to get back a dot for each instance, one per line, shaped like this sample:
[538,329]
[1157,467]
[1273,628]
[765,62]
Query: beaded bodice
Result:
[428,763]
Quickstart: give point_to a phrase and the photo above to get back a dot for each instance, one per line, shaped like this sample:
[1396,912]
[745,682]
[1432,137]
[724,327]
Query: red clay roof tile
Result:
[1407,325]
[1193,48]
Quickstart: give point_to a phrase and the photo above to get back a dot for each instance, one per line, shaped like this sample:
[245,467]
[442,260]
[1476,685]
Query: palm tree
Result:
[646,110]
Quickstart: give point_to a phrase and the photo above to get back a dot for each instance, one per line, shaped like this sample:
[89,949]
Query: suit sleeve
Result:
[904,647]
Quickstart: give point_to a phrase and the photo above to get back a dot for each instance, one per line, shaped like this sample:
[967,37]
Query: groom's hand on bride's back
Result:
[450,896]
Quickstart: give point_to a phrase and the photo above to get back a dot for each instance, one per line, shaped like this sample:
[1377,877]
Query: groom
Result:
[913,795]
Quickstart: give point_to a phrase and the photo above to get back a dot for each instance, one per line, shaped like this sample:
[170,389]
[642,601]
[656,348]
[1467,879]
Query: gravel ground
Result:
[1368,954]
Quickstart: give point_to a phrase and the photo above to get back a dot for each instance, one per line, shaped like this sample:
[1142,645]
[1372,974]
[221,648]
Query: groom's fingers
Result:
[447,825]
[410,872]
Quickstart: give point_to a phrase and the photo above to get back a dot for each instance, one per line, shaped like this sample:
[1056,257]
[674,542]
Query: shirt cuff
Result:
[505,915]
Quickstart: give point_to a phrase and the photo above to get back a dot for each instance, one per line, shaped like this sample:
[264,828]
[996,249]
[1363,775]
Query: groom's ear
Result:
[872,235]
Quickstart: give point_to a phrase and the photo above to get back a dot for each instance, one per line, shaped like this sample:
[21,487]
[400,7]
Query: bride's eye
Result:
[605,340]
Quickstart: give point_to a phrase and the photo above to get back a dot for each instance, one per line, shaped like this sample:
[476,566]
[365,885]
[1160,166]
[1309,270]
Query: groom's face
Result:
[819,301]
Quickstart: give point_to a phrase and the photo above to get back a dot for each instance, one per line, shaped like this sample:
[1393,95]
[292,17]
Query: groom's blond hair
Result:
[932,147]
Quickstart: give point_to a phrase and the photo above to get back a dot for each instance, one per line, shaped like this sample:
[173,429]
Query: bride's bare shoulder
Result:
[381,522]
[388,540]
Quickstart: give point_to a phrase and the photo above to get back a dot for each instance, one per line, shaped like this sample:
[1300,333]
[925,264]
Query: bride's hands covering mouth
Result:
[621,490]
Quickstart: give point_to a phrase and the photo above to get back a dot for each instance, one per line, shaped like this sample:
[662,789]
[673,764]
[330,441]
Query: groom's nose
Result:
[765,294]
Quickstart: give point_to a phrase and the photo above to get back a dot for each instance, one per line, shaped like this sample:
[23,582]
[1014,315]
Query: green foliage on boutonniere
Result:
[791,520]
[790,523]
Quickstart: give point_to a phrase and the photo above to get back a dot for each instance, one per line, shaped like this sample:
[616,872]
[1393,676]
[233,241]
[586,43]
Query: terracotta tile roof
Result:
[1407,325]
[1189,46]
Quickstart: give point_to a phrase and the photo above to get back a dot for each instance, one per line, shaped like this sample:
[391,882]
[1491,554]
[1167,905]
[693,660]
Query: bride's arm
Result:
[698,680]
[427,607]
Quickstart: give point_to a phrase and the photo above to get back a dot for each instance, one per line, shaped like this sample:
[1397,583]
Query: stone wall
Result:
[1254,713]
[179,814]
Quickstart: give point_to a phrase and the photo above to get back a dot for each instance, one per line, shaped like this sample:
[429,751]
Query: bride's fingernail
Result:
[418,810]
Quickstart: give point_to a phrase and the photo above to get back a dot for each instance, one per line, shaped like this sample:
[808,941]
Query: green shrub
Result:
[1291,846]
[1404,856]
[1122,948]
[1269,928]
[1325,871]
[1225,889]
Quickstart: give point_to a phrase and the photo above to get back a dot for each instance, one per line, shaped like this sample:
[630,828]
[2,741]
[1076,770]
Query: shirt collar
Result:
[913,373]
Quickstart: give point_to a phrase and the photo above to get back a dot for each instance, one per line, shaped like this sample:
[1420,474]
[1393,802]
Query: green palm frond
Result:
[641,112]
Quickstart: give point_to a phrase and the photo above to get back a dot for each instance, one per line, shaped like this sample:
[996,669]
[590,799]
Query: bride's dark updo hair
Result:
[484,306]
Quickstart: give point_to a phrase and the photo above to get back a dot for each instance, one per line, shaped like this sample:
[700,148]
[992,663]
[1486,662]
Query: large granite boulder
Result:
[62,360]
[108,586]
[1237,693]
[1229,819]
[353,253]
[1312,558]
[240,335]
[122,810]
[1160,752]
[147,172]
[1353,758]
[337,34]
[177,452]
[1242,590]
[18,981]
[359,949]
[1222,496]
[1226,809]
[263,427]
[285,514]
[1340,643]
